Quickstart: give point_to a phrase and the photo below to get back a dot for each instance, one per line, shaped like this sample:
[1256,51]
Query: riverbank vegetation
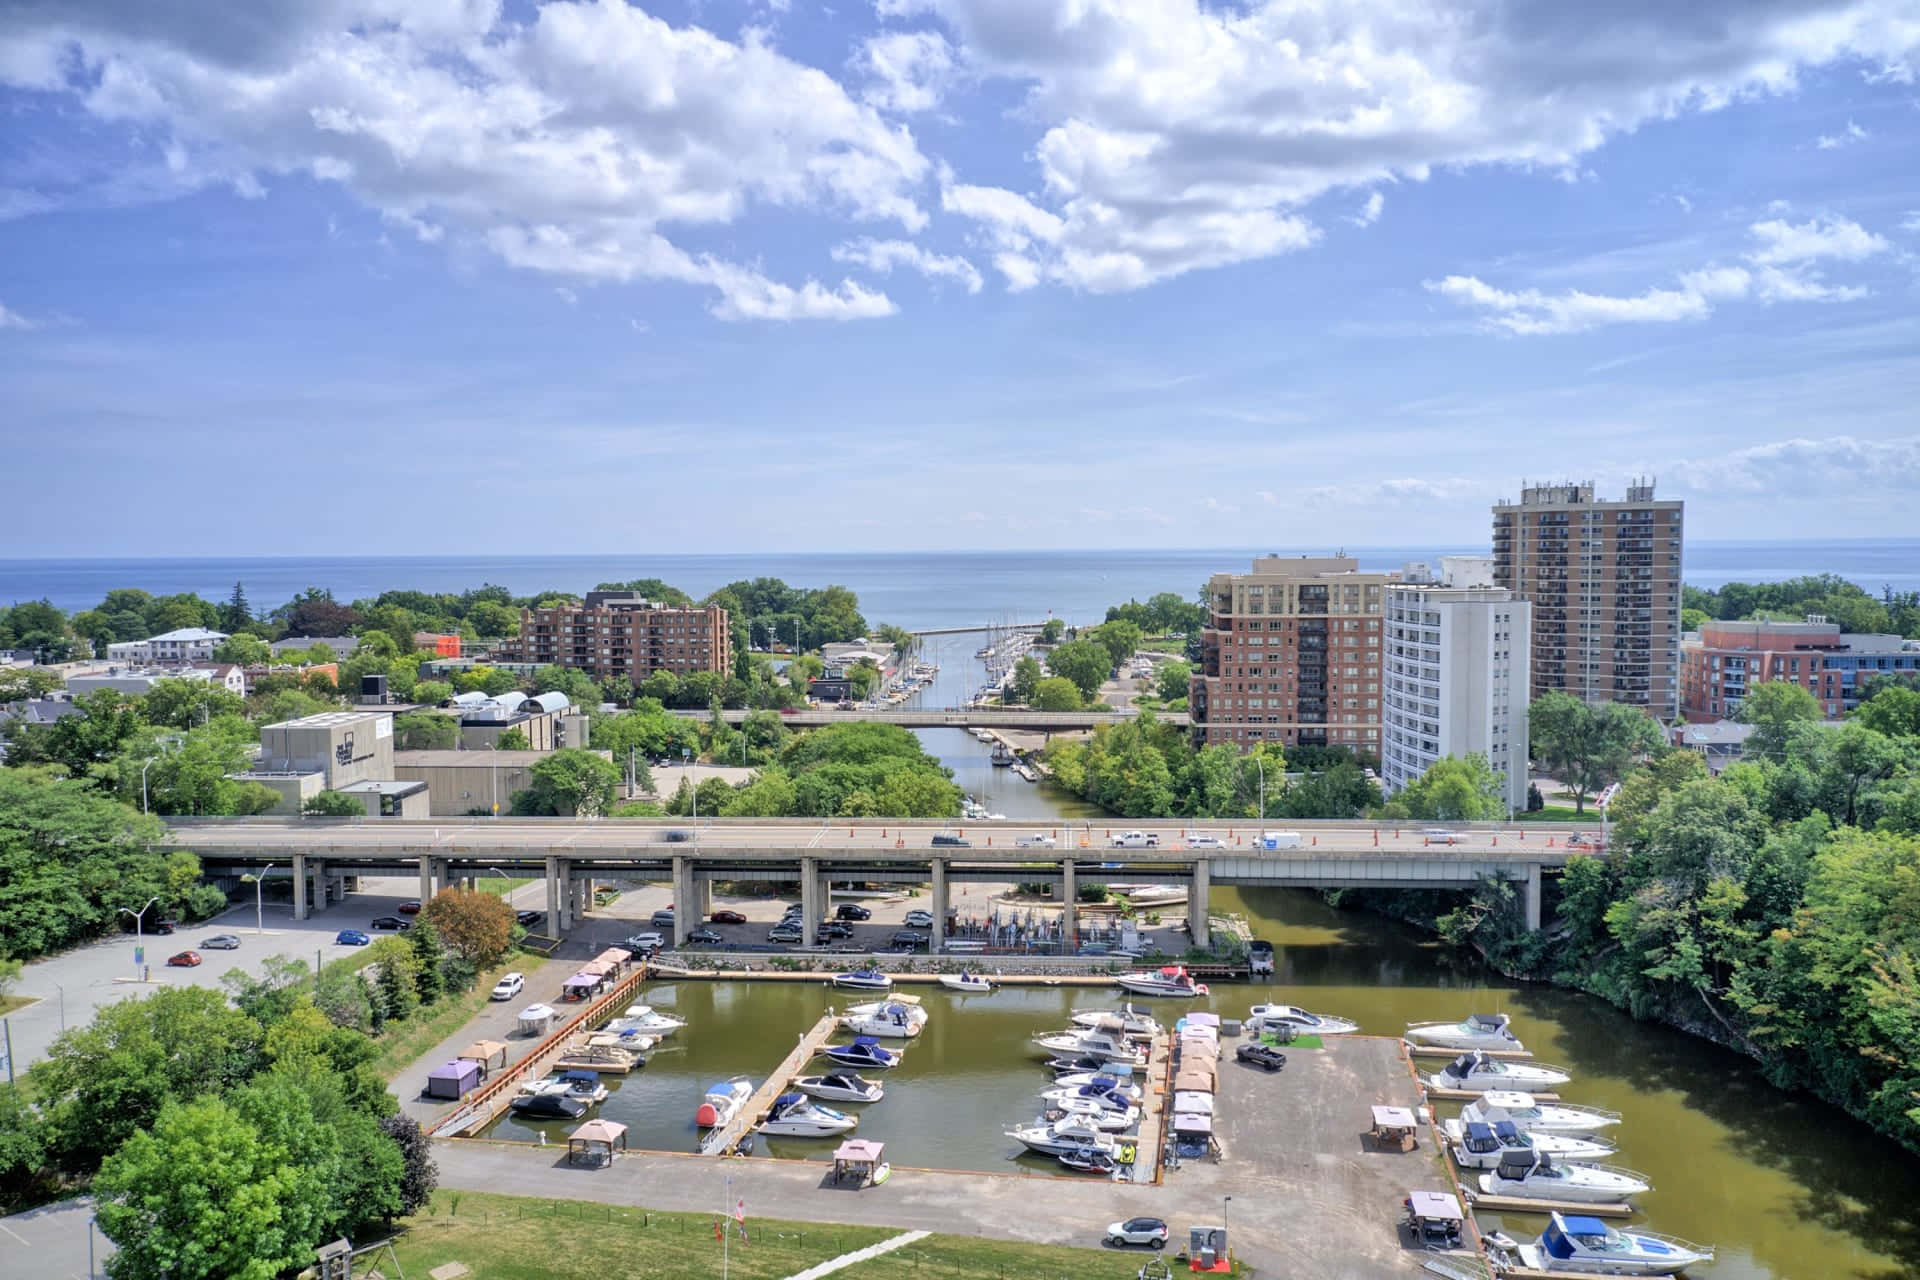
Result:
[859,770]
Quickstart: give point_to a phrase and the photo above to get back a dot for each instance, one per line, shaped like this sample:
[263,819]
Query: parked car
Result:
[704,938]
[785,933]
[1202,840]
[352,938]
[1151,1232]
[947,840]
[163,926]
[549,1106]
[662,919]
[907,938]
[221,942]
[1038,840]
[678,836]
[833,929]
[1261,1056]
[528,919]
[184,960]
[509,986]
[1136,840]
[409,908]
[726,917]
[390,922]
[853,911]
[919,919]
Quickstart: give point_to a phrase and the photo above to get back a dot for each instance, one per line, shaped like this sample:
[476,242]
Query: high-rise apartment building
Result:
[1455,674]
[1291,654]
[1603,577]
[619,634]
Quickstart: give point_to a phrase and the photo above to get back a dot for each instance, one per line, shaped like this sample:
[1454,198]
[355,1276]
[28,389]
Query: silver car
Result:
[221,942]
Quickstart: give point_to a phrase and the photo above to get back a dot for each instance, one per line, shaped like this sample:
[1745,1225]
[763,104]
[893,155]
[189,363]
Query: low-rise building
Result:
[1719,743]
[328,751]
[1722,662]
[137,682]
[174,648]
[548,721]
[252,676]
[341,646]
[441,646]
[469,782]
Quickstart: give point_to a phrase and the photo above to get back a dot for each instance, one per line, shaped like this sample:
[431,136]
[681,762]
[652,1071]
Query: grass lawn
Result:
[498,885]
[9,1003]
[510,1238]
[1561,813]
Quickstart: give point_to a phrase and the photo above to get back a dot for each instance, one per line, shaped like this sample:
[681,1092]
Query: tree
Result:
[1172,681]
[1455,789]
[1339,791]
[194,777]
[421,1174]
[70,858]
[572,782]
[430,693]
[424,731]
[235,613]
[21,683]
[1120,638]
[477,927]
[1055,693]
[183,704]
[1774,708]
[331,804]
[862,678]
[1892,710]
[513,739]
[314,613]
[1051,630]
[23,1147]
[579,687]
[1027,675]
[244,649]
[430,955]
[1588,747]
[494,621]
[107,722]
[1083,662]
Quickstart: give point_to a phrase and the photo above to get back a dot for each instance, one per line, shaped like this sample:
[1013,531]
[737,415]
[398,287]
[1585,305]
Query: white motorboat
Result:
[1530,1116]
[865,1051]
[584,1085]
[1272,1017]
[1478,1073]
[1577,1243]
[1119,1086]
[794,1115]
[1077,1042]
[1475,1031]
[1540,1177]
[1147,897]
[841,1086]
[1115,1093]
[1478,1145]
[901,1019]
[648,1021]
[629,1042]
[1103,1115]
[863,980]
[723,1102]
[1069,1133]
[1132,1021]
[968,983]
[1173,981]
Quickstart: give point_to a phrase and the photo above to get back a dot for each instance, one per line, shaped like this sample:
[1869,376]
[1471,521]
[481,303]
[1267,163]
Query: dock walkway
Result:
[723,1139]
[1155,1100]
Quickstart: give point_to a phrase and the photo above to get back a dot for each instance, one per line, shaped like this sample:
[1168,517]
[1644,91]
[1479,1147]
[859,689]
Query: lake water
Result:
[916,589]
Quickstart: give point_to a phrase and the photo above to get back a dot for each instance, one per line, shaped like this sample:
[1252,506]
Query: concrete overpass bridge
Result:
[955,718]
[571,853]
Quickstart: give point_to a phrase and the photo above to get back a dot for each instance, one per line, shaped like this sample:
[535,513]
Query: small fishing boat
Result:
[1578,1243]
[722,1102]
[901,1018]
[1259,957]
[969,983]
[841,1086]
[584,1085]
[1090,1160]
[863,980]
[1478,1145]
[1475,1031]
[794,1115]
[1535,1176]
[1001,757]
[1478,1073]
[632,1043]
[1132,1021]
[1530,1116]
[1274,1017]
[865,1051]
[1069,1133]
[1173,980]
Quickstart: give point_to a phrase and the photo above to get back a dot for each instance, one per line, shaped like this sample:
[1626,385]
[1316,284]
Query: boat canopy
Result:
[1435,1205]
[580,1077]
[1462,1065]
[1192,1122]
[1559,1229]
[788,1101]
[860,1150]
[1487,1021]
[1506,1131]
[866,1042]
[1203,1020]
[1193,1102]
[724,1088]
[1480,1137]
[1518,1164]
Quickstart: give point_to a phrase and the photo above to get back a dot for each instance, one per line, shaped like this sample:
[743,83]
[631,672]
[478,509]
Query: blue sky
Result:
[421,276]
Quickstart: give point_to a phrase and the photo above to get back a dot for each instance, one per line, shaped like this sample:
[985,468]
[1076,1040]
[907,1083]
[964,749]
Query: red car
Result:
[409,908]
[727,917]
[184,960]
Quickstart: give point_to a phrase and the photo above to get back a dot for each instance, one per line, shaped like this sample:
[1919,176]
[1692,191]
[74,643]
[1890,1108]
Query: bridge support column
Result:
[1197,926]
[938,938]
[426,879]
[322,896]
[552,922]
[1069,906]
[582,896]
[812,906]
[686,900]
[300,886]
[566,920]
[1534,894]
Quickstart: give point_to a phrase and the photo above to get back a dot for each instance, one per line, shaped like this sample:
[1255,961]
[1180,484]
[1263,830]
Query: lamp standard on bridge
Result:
[259,915]
[686,762]
[1263,790]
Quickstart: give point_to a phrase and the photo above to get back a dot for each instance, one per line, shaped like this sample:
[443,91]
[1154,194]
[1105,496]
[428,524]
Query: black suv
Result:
[948,840]
[853,911]
[907,938]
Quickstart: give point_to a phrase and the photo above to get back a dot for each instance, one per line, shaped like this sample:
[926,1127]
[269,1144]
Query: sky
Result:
[459,276]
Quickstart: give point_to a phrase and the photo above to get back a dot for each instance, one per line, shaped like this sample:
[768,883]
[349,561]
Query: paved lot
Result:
[51,1243]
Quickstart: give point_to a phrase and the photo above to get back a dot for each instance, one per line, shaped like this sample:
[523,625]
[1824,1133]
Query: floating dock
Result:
[1155,1097]
[1522,1204]
[1474,1095]
[603,1058]
[1435,1051]
[723,1139]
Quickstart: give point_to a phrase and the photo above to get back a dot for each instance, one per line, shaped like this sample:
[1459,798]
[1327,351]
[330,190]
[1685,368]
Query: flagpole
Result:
[726,1230]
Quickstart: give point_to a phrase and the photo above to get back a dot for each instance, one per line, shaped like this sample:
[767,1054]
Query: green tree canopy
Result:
[1587,747]
[331,804]
[1083,662]
[1056,693]
[1455,789]
[571,782]
[1774,708]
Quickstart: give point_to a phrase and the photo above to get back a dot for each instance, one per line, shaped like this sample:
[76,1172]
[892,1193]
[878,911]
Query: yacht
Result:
[1132,1021]
[1079,1042]
[1478,1145]
[794,1115]
[1119,1086]
[1272,1017]
[1476,1031]
[1589,1245]
[584,1085]
[841,1086]
[865,1051]
[1539,1177]
[1001,757]
[629,1042]
[648,1021]
[895,1018]
[1098,1114]
[723,1102]
[1477,1073]
[967,983]
[1170,981]
[1069,1133]
[1529,1116]
[863,980]
[1110,1093]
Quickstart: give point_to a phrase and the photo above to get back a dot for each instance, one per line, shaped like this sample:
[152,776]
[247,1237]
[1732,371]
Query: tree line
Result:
[1847,603]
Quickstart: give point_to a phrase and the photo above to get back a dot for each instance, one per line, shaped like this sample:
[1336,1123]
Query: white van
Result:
[1280,840]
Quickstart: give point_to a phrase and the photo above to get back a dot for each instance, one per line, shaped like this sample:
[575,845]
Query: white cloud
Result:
[1178,135]
[1834,141]
[567,296]
[1803,467]
[1370,211]
[14,320]
[1911,222]
[1268,497]
[1780,268]
[884,255]
[1224,508]
[910,70]
[571,138]
[1399,491]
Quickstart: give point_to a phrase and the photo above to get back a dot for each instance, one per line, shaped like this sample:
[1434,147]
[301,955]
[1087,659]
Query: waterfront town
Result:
[620,898]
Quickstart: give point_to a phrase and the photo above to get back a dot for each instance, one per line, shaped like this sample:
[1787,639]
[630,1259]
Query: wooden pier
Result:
[1524,1204]
[723,1139]
[1435,1051]
[1474,1095]
[1156,1102]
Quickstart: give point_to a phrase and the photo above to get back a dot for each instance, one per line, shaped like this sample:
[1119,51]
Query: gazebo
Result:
[490,1054]
[581,985]
[595,1142]
[858,1161]
[615,958]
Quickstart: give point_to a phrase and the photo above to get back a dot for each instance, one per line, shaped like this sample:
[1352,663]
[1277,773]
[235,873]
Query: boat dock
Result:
[1435,1051]
[723,1139]
[1524,1204]
[979,962]
[1155,1097]
[1474,1095]
[606,1059]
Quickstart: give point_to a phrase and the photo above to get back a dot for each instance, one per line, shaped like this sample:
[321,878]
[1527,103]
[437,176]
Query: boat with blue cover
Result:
[865,1051]
[1588,1245]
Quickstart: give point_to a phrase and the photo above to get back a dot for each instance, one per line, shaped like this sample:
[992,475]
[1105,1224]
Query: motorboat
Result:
[1530,1116]
[584,1085]
[722,1102]
[1475,1031]
[631,1042]
[1478,1145]
[1578,1243]
[1259,957]
[1148,897]
[1273,1017]
[794,1115]
[863,980]
[1478,1073]
[1135,1022]
[1119,1086]
[841,1086]
[1110,1115]
[1535,1176]
[1081,1043]
[896,1018]
[969,983]
[1112,1024]
[1084,1063]
[865,1051]
[1173,981]
[1069,1133]
[1090,1160]
[1001,757]
[648,1021]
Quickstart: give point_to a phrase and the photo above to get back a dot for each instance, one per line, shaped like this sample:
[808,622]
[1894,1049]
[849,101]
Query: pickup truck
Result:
[1136,840]
[1038,840]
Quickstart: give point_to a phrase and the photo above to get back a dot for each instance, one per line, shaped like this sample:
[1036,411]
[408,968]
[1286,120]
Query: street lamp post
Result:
[686,762]
[139,933]
[1263,787]
[143,773]
[495,748]
[1225,1201]
[259,879]
[506,897]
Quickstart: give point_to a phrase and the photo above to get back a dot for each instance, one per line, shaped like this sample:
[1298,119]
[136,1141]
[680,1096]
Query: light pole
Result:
[506,897]
[139,934]
[1228,1242]
[1258,764]
[143,773]
[63,1006]
[259,909]
[686,762]
[494,746]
